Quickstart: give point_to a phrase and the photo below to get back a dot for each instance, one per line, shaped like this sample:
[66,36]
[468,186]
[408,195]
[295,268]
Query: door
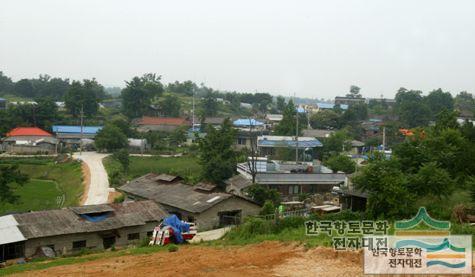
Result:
[108,242]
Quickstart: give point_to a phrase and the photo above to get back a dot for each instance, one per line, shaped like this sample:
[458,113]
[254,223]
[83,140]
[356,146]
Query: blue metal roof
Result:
[331,106]
[289,143]
[247,122]
[76,129]
[300,110]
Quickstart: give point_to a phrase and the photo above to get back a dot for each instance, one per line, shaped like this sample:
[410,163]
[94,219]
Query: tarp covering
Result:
[247,122]
[95,217]
[178,227]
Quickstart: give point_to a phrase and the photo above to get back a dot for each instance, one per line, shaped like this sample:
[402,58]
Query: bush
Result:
[268,208]
[172,248]
[251,228]
[119,199]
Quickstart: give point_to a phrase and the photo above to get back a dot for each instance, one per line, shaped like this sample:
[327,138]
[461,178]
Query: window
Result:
[294,189]
[150,234]
[191,219]
[241,141]
[79,244]
[133,236]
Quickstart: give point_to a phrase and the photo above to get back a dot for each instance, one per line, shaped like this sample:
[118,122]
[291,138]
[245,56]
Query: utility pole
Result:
[297,135]
[82,123]
[384,138]
[193,112]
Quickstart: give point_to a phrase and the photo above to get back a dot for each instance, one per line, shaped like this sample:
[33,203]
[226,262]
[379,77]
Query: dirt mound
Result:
[264,259]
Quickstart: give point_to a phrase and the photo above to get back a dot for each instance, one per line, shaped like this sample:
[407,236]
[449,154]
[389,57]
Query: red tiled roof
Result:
[146,120]
[28,131]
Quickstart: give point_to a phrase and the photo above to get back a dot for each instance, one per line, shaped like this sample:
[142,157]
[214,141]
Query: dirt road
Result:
[98,190]
[264,259]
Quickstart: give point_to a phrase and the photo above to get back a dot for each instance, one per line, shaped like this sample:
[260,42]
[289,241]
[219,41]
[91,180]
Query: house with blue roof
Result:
[72,135]
[267,144]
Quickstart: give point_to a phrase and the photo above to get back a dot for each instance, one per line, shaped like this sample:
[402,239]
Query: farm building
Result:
[3,104]
[198,204]
[29,140]
[164,124]
[268,144]
[72,135]
[69,230]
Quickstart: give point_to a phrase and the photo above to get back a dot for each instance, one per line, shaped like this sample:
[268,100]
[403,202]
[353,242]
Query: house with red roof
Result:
[164,124]
[29,140]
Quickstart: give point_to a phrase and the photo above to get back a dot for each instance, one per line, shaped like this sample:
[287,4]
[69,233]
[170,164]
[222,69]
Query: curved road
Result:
[99,187]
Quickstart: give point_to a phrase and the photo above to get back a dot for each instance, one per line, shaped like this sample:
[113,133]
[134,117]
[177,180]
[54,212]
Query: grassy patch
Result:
[38,194]
[43,264]
[186,167]
[34,195]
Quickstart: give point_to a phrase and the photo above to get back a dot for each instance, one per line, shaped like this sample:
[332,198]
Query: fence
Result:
[302,213]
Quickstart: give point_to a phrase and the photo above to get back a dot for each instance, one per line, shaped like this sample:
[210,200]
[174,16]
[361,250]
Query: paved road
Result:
[99,186]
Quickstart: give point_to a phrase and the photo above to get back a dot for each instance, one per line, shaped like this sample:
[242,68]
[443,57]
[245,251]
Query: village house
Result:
[247,131]
[29,140]
[343,100]
[200,204]
[267,145]
[74,136]
[163,124]
[290,179]
[67,231]
[317,133]
[330,106]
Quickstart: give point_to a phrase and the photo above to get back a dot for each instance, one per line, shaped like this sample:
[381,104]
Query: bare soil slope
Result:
[264,259]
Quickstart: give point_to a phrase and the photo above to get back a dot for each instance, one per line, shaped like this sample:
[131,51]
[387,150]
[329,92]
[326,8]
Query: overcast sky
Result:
[311,48]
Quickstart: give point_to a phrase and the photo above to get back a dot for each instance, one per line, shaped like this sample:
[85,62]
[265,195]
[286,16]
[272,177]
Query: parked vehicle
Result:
[173,230]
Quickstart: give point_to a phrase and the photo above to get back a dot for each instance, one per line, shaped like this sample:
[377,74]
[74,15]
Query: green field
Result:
[48,180]
[35,195]
[186,167]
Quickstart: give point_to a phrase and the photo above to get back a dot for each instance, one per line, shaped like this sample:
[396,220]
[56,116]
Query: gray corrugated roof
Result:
[317,133]
[299,178]
[88,209]
[176,195]
[238,181]
[66,221]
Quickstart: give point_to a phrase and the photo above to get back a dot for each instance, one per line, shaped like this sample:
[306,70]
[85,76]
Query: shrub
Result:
[268,208]
[172,248]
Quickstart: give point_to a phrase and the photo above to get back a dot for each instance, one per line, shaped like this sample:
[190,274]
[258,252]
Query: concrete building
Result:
[266,145]
[69,230]
[163,124]
[29,140]
[289,178]
[343,100]
[207,208]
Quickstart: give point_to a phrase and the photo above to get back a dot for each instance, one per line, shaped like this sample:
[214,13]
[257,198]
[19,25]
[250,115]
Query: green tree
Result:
[261,194]
[122,156]
[411,108]
[354,92]
[216,155]
[287,125]
[354,113]
[46,112]
[138,94]
[82,96]
[341,163]
[178,136]
[10,175]
[387,189]
[335,144]
[280,102]
[325,119]
[209,104]
[6,84]
[465,103]
[433,180]
[24,88]
[438,101]
[110,138]
[170,105]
